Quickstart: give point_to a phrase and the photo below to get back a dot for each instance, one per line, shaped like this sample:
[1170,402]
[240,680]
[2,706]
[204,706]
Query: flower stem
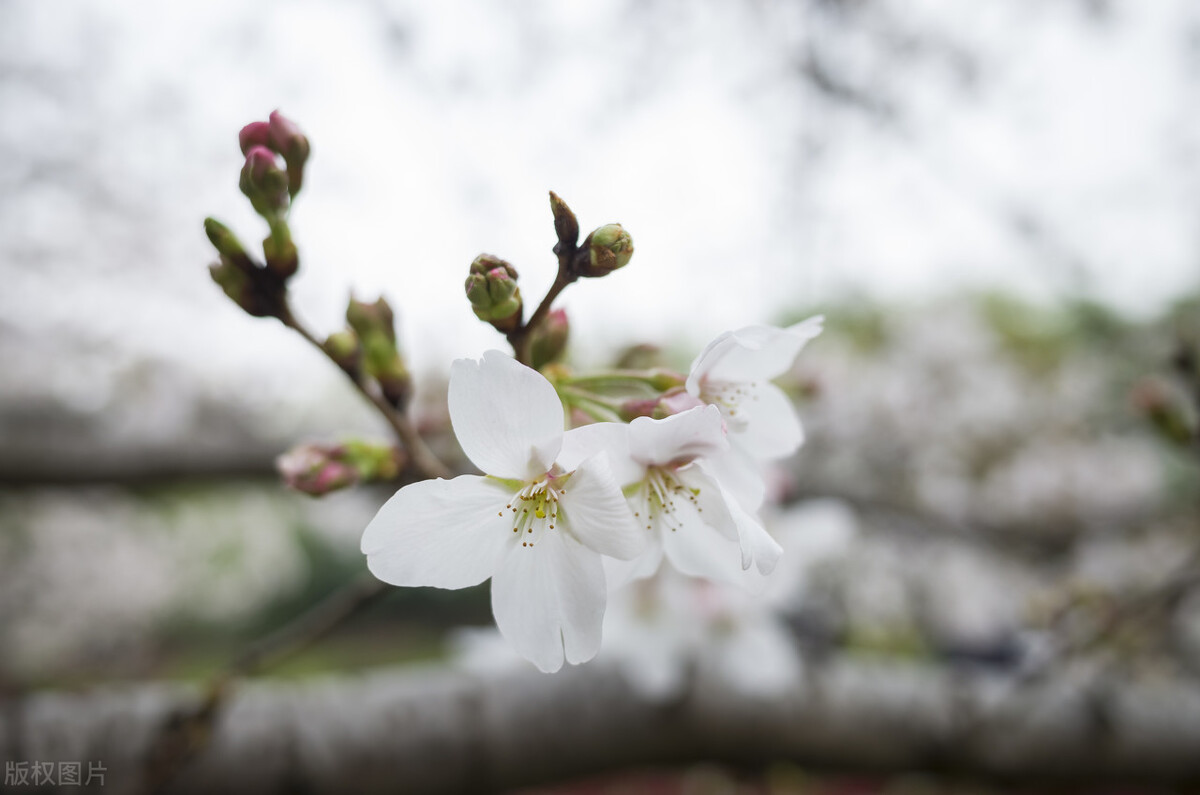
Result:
[594,406]
[651,379]
[520,339]
[423,459]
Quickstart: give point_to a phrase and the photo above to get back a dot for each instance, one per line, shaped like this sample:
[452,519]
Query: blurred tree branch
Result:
[422,731]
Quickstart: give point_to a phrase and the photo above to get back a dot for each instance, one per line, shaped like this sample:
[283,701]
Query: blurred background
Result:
[994,203]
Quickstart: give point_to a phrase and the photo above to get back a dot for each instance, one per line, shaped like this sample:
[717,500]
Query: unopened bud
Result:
[226,243]
[316,470]
[674,401]
[605,250]
[372,460]
[376,327]
[287,139]
[256,133]
[371,320]
[548,341]
[566,226]
[666,380]
[486,262]
[493,293]
[394,379]
[344,349]
[263,182]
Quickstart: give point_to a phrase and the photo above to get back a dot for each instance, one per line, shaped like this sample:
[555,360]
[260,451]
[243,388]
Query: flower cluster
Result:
[586,486]
[562,516]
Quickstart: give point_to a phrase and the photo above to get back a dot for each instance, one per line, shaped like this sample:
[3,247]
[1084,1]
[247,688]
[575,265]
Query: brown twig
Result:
[521,338]
[421,457]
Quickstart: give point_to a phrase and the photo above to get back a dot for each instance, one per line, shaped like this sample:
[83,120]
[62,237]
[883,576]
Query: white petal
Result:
[704,363]
[580,444]
[441,533]
[507,417]
[698,549]
[549,601]
[740,475]
[682,437]
[711,498]
[767,426]
[595,511]
[757,545]
[753,353]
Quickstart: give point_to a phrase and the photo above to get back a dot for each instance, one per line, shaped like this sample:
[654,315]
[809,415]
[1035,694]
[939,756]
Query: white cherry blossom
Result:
[734,373]
[678,501]
[538,529]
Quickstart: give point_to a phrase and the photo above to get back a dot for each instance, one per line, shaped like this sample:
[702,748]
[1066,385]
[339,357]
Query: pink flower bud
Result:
[676,402]
[256,133]
[287,139]
[259,162]
[263,182]
[315,470]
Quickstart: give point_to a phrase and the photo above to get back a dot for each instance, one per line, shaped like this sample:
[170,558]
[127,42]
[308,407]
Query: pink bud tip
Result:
[282,130]
[260,160]
[256,133]
[678,402]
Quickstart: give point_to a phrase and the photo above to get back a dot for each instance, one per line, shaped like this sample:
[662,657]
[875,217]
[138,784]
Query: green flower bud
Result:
[394,379]
[226,243]
[486,262]
[605,250]
[566,226]
[371,320]
[493,293]
[376,327]
[372,460]
[343,347]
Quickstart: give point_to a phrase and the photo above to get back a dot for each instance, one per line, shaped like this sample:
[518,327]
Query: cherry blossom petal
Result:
[753,353]
[756,543]
[740,475]
[711,498]
[507,417]
[595,511]
[548,600]
[697,549]
[768,426]
[580,444]
[682,437]
[440,533]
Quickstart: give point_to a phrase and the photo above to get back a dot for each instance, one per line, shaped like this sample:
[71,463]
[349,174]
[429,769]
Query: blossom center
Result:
[662,495]
[730,398]
[535,509]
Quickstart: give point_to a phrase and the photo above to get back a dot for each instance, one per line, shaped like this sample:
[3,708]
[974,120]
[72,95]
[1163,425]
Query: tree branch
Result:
[424,731]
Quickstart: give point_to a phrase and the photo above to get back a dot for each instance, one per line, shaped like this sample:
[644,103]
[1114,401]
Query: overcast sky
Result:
[763,154]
